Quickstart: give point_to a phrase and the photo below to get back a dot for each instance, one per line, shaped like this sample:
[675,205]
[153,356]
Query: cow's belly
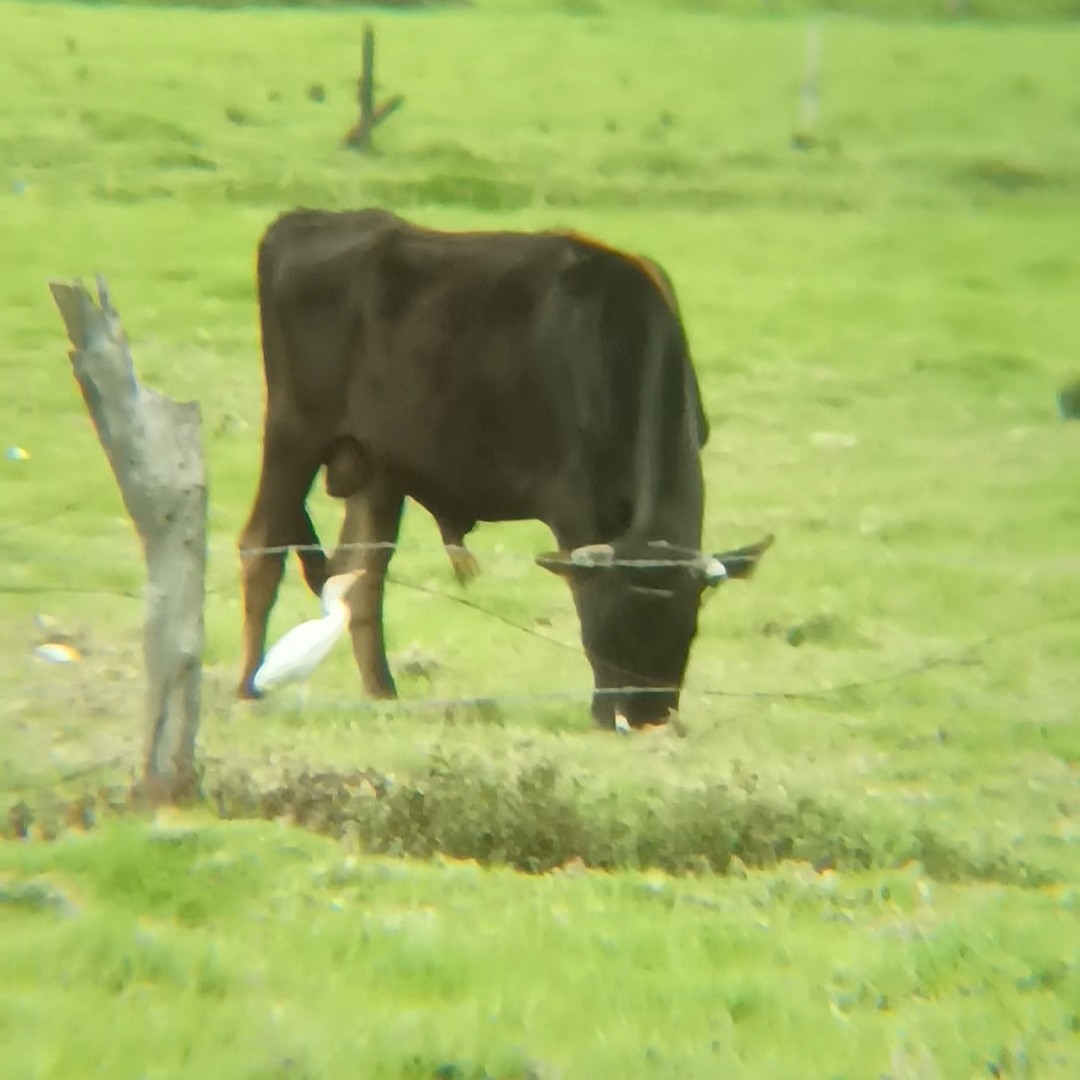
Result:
[505,443]
[474,494]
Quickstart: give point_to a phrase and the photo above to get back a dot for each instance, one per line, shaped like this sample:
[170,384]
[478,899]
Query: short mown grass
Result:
[188,948]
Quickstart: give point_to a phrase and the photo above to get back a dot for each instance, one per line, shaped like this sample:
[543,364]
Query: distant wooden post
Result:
[155,449]
[1068,400]
[810,89]
[359,136]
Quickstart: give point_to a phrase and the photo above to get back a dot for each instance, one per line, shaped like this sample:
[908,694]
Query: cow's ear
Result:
[588,557]
[740,563]
[592,555]
[555,562]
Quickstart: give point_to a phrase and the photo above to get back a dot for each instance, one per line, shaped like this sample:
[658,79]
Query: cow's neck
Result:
[671,511]
[668,487]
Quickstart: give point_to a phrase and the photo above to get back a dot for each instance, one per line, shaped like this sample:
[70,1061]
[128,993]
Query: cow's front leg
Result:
[278,519]
[372,517]
[260,577]
[313,561]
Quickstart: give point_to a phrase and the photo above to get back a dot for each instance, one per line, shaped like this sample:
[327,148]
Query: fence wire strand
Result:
[485,704]
[1064,565]
[959,656]
[964,654]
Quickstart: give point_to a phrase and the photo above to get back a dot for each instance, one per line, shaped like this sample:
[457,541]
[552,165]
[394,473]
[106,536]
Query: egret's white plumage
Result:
[295,655]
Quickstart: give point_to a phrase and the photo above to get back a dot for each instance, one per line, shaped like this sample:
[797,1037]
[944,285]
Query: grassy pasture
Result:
[251,951]
[879,324]
[939,10]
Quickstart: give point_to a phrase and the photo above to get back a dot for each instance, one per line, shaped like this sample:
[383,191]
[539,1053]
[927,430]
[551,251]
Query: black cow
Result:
[489,376]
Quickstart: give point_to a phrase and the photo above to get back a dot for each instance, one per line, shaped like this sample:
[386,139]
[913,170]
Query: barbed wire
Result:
[956,657]
[690,559]
[1050,565]
[489,705]
[960,656]
[469,603]
[58,778]
[56,512]
[921,667]
[75,590]
[484,703]
[694,561]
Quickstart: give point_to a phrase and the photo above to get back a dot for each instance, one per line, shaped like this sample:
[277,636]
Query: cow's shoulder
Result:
[647,267]
[661,282]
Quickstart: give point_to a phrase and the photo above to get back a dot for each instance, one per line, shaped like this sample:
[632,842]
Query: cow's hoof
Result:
[463,562]
[383,692]
[622,725]
[247,692]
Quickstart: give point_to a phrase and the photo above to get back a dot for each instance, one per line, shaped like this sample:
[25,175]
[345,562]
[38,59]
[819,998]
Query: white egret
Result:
[295,655]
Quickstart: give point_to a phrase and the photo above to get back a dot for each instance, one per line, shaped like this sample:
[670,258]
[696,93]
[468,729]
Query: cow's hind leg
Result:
[372,517]
[278,520]
[462,560]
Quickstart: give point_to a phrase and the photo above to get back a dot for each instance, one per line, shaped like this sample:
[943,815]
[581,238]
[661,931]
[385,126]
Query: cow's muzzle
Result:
[622,710]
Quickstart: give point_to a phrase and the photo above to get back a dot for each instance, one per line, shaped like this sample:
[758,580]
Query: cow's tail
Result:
[313,560]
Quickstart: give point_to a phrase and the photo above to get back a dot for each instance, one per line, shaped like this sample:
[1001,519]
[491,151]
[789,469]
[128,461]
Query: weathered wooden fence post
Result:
[155,449]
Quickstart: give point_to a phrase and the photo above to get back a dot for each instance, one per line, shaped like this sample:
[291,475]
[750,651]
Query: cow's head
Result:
[638,606]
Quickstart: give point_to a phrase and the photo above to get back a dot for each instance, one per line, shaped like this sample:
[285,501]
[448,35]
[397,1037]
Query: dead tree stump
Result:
[154,447]
[359,136]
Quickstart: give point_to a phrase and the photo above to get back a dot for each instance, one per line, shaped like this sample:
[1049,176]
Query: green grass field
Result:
[880,325]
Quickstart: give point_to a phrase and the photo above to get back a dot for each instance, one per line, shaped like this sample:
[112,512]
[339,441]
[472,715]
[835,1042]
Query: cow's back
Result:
[481,368]
[482,377]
